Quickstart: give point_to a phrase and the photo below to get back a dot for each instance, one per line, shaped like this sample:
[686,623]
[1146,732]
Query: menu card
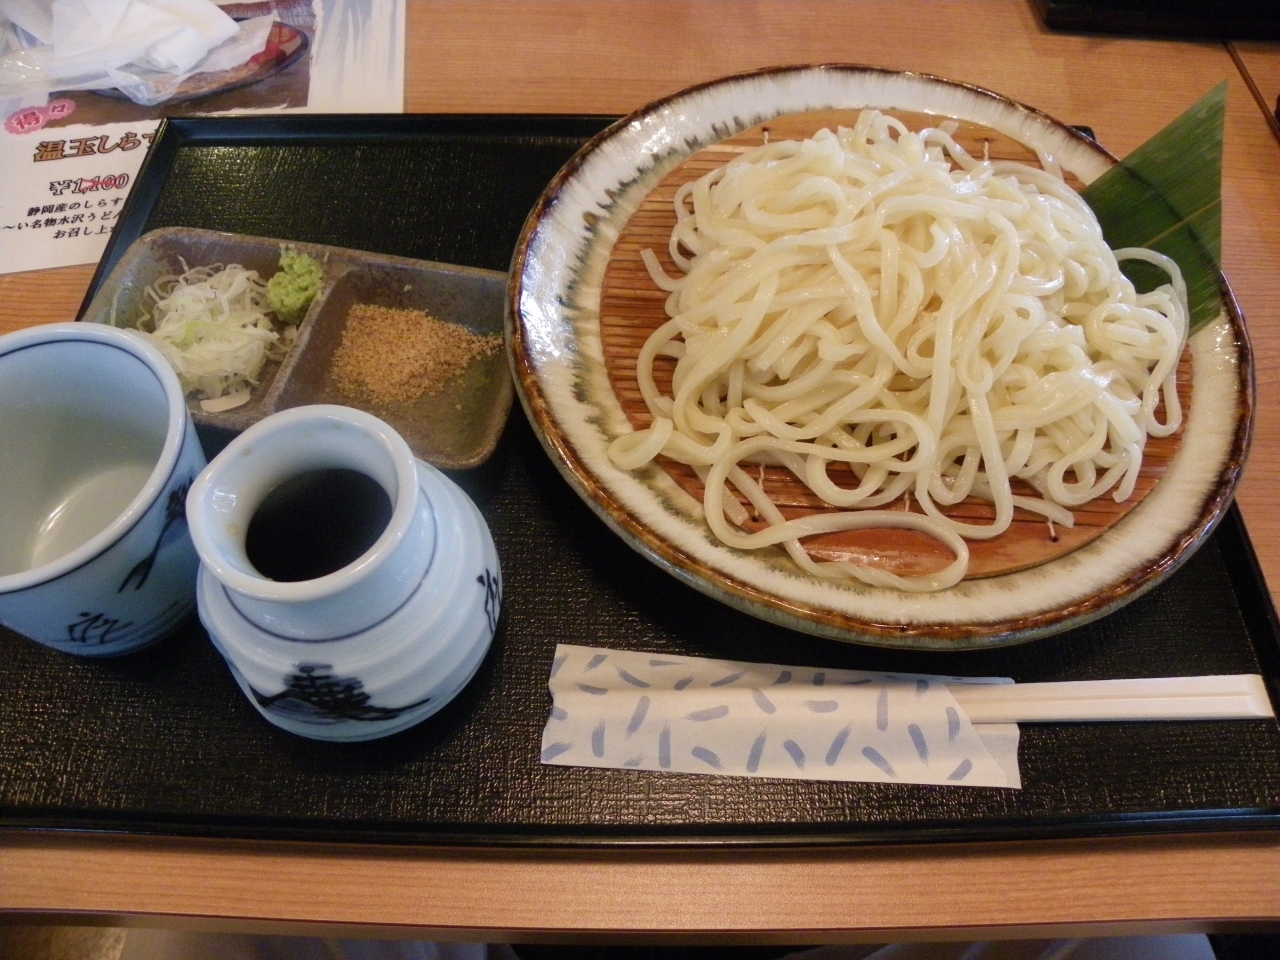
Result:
[85,83]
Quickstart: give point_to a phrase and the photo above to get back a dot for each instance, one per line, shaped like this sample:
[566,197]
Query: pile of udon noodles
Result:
[940,324]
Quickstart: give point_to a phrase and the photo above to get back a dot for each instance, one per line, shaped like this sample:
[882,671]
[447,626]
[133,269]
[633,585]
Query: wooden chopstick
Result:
[1236,697]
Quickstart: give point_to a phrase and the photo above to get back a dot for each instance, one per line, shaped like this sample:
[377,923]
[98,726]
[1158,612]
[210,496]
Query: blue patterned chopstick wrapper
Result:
[643,711]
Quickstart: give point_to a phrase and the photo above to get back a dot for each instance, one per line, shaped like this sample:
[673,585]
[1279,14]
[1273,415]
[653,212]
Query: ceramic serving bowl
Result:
[455,429]
[97,452]
[557,337]
[383,641]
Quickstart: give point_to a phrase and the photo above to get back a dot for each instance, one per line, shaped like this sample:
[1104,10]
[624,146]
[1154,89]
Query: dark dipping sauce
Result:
[315,523]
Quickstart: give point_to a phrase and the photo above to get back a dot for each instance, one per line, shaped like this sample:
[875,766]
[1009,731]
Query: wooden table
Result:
[607,57]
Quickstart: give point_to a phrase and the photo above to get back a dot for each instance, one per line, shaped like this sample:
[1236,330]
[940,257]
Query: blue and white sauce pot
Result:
[381,642]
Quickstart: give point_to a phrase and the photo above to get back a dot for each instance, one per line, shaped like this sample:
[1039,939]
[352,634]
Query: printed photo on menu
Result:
[84,85]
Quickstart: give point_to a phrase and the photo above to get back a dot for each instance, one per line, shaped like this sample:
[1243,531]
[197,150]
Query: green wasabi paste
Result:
[293,288]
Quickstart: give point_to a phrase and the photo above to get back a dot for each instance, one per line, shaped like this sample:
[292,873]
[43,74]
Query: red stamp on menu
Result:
[31,119]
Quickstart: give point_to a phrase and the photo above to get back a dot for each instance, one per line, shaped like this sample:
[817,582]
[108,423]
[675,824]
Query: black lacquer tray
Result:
[164,742]
[1200,19]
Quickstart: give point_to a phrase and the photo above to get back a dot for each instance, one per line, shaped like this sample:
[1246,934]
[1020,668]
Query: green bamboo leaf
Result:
[1167,196]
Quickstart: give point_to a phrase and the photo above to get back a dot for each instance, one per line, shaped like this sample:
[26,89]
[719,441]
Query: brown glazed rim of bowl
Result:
[825,622]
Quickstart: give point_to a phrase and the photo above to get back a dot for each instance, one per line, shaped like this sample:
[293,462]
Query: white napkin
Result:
[628,710]
[32,16]
[206,26]
[250,40]
[143,47]
[93,36]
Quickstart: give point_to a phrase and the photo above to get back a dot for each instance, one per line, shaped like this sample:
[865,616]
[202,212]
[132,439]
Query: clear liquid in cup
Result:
[65,476]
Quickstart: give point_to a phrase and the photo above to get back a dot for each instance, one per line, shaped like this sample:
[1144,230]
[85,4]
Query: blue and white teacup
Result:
[97,453]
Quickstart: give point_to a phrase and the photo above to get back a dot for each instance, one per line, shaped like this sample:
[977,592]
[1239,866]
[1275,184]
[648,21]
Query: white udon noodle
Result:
[940,324]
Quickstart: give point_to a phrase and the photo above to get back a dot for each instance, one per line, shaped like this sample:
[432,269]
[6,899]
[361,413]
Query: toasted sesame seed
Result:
[391,356]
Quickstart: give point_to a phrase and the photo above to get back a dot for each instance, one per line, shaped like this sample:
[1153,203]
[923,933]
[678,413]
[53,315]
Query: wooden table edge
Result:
[1090,887]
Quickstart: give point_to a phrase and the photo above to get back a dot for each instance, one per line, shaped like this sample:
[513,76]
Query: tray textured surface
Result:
[164,741]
